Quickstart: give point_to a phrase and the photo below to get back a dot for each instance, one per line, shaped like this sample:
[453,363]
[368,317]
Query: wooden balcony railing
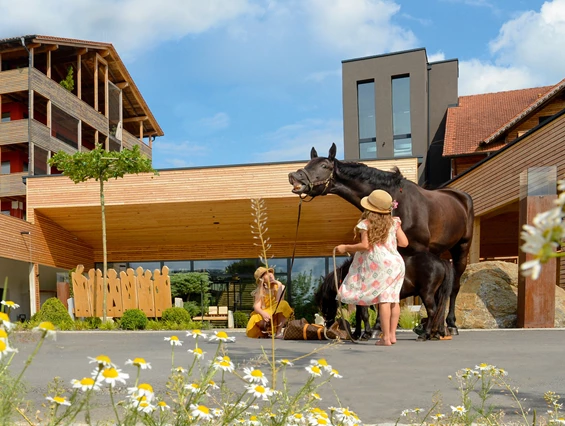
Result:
[13,80]
[68,102]
[129,141]
[12,132]
[12,185]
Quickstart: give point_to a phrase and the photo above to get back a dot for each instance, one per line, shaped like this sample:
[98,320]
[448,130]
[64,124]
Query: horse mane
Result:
[379,178]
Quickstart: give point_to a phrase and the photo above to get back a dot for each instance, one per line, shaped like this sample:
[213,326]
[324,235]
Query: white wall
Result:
[18,285]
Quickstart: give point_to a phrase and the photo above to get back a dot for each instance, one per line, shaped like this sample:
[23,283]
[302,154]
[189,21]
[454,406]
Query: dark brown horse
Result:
[433,220]
[427,276]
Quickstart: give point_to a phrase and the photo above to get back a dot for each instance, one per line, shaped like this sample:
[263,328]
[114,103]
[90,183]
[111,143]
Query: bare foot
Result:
[392,340]
[382,342]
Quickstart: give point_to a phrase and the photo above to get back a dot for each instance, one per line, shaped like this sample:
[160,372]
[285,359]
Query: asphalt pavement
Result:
[378,382]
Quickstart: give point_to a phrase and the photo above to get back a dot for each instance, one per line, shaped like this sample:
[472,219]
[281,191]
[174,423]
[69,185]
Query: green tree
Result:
[68,83]
[190,287]
[102,165]
[303,295]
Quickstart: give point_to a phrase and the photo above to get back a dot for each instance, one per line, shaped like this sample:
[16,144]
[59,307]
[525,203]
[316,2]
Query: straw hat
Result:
[261,270]
[378,201]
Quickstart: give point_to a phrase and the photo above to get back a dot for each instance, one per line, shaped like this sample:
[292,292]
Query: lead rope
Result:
[339,315]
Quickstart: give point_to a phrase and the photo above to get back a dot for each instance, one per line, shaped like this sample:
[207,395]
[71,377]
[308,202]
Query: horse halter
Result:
[312,185]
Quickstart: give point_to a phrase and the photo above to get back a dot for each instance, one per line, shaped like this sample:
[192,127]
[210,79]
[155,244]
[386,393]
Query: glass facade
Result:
[367,120]
[232,281]
[402,128]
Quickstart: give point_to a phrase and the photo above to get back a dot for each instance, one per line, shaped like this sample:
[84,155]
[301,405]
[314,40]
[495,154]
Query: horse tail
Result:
[444,292]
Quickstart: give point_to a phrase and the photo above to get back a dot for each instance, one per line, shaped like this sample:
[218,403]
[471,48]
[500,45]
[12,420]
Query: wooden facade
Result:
[495,186]
[195,213]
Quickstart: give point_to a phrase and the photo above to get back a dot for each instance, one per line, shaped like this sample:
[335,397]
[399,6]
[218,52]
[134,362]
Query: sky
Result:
[259,81]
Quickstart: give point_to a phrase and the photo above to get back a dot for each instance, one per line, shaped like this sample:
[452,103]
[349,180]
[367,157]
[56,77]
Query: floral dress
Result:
[376,275]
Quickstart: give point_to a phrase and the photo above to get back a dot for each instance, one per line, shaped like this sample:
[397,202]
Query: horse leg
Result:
[459,256]
[428,299]
[365,317]
[358,318]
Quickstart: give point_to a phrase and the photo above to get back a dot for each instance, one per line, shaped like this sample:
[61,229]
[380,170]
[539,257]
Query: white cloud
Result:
[128,24]
[480,77]
[320,76]
[294,141]
[219,121]
[358,27]
[526,53]
[167,154]
[435,57]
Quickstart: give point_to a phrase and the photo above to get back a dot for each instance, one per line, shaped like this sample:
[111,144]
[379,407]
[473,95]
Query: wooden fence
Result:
[142,290]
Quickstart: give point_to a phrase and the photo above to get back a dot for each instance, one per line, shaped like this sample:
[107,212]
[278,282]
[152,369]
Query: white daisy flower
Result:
[322,363]
[3,334]
[212,384]
[297,419]
[10,304]
[174,341]
[5,348]
[142,390]
[460,410]
[139,362]
[146,407]
[253,421]
[346,416]
[335,373]
[316,396]
[47,329]
[438,416]
[180,370]
[254,376]
[162,405]
[224,363]
[197,352]
[318,420]
[259,391]
[417,410]
[484,367]
[196,334]
[59,400]
[285,362]
[201,412]
[406,412]
[86,384]
[193,387]
[559,421]
[314,370]
[111,375]
[222,336]
[5,320]
[103,361]
[217,412]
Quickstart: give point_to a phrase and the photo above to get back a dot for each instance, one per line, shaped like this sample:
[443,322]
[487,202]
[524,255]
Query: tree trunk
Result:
[105,254]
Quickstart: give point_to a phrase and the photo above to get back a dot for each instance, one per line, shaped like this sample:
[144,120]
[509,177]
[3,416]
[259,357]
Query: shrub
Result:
[133,319]
[93,322]
[192,308]
[240,319]
[372,318]
[109,324]
[408,318]
[55,312]
[176,314]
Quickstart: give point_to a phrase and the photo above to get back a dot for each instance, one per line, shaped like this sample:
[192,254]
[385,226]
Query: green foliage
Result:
[190,286]
[240,319]
[55,312]
[408,319]
[100,164]
[372,318]
[110,324]
[244,266]
[133,319]
[303,296]
[176,314]
[192,308]
[93,322]
[68,83]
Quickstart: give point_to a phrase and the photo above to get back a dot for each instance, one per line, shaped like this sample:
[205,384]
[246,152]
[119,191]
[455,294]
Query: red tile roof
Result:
[477,117]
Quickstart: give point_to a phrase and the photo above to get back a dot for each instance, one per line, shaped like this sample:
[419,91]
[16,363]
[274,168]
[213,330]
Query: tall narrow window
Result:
[367,123]
[402,129]
[5,168]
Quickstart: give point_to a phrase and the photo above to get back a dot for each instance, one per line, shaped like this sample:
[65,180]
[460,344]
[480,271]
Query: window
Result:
[6,116]
[367,121]
[5,212]
[402,128]
[39,160]
[5,168]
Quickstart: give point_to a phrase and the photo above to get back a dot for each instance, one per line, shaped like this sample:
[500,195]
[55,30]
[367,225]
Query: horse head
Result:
[316,176]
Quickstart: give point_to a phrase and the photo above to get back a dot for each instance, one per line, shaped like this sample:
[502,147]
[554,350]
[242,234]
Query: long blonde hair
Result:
[379,226]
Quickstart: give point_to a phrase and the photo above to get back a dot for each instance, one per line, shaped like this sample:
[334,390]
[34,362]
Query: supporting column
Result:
[475,250]
[536,298]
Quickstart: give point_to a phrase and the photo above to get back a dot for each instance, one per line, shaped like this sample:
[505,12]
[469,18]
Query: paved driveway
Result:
[378,382]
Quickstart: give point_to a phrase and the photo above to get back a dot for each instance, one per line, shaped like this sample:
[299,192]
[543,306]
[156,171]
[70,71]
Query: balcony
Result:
[129,141]
[12,185]
[15,132]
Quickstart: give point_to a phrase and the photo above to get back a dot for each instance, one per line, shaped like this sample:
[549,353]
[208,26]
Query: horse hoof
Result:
[454,331]
[421,338]
[365,336]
